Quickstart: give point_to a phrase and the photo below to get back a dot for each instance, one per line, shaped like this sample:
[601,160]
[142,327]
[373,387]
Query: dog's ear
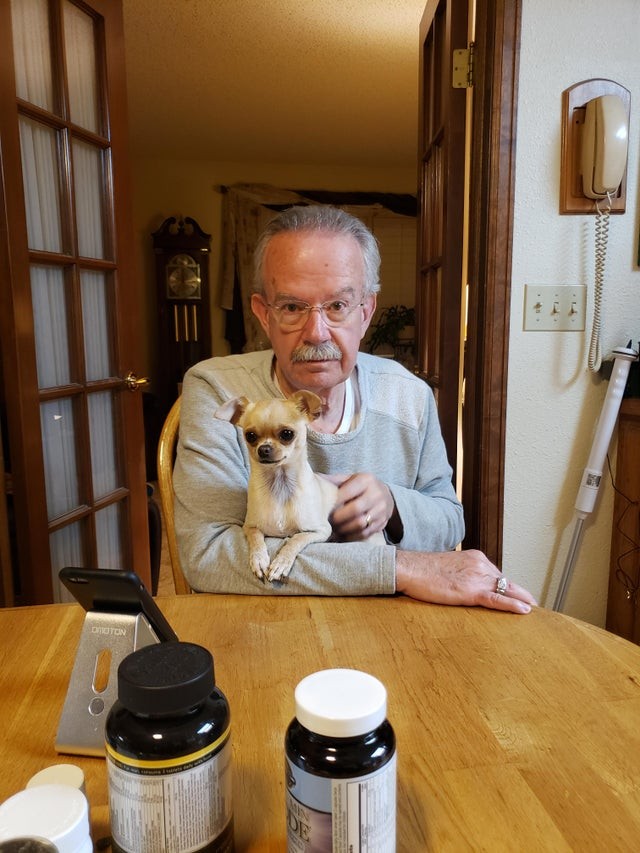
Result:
[232,410]
[308,403]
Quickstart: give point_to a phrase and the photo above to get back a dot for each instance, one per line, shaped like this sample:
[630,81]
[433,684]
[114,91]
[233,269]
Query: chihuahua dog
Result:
[285,498]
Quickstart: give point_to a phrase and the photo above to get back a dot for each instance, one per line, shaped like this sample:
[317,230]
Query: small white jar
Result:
[59,813]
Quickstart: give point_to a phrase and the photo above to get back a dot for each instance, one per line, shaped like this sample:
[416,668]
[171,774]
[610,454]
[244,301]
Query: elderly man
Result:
[377,437]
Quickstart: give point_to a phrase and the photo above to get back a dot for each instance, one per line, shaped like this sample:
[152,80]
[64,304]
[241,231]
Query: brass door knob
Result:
[133,383]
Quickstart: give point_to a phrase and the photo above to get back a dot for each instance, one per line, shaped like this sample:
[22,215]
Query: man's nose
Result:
[316,328]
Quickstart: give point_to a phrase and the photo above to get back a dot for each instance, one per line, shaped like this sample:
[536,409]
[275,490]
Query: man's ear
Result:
[261,311]
[369,303]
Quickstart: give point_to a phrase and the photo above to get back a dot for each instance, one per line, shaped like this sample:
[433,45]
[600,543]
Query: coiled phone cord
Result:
[602,237]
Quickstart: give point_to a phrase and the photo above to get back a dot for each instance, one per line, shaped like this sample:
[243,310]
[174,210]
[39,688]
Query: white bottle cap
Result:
[58,813]
[340,702]
[59,774]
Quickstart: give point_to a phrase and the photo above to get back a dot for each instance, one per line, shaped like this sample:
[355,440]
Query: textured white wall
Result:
[553,400]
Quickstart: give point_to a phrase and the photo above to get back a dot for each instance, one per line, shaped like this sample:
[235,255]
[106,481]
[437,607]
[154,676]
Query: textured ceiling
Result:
[304,81]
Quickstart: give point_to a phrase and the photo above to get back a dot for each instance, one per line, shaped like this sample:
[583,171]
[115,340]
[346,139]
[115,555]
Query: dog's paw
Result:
[280,568]
[259,563]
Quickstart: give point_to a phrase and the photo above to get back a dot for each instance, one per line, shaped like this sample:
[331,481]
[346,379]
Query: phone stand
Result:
[105,640]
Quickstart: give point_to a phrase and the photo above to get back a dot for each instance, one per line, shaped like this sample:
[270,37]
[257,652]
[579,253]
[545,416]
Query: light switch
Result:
[554,308]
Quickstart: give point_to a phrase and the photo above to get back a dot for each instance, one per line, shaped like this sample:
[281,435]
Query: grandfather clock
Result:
[182,275]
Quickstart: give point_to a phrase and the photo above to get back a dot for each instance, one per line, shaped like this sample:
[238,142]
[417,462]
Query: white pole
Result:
[592,475]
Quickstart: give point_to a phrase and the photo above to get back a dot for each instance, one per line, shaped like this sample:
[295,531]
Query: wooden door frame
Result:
[441,190]
[20,382]
[496,61]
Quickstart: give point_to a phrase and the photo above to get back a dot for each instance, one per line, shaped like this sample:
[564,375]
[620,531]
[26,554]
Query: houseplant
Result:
[386,332]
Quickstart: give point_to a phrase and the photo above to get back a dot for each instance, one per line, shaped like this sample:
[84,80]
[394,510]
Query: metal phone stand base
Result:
[105,640]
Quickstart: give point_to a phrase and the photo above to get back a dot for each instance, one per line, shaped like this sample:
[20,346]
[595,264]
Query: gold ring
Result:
[367,520]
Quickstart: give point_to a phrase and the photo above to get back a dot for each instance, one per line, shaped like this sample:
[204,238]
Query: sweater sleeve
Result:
[210,483]
[431,514]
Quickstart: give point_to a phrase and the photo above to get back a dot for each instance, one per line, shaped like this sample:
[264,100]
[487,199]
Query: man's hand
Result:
[365,506]
[458,577]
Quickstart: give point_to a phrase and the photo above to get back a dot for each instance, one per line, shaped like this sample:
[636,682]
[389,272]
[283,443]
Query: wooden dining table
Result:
[513,732]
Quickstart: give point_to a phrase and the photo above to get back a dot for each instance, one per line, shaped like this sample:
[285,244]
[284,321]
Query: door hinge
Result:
[462,77]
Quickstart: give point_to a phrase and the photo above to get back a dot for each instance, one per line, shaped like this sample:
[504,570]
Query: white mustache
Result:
[327,351]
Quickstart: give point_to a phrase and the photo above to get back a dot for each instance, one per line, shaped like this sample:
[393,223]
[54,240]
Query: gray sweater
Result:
[397,439]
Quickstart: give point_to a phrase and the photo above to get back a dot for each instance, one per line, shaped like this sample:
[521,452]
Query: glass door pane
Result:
[32,52]
[81,68]
[49,299]
[89,197]
[102,427]
[109,536]
[67,549]
[97,307]
[40,170]
[60,443]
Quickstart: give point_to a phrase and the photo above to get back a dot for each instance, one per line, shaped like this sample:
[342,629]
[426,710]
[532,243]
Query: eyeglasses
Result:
[292,314]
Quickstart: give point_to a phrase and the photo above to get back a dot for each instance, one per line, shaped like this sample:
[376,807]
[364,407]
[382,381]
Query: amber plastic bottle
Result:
[169,753]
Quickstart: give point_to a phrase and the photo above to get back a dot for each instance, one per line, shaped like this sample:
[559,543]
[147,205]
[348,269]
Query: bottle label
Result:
[174,805]
[355,815]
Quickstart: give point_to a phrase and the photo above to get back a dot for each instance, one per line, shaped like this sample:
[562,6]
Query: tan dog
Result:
[285,497]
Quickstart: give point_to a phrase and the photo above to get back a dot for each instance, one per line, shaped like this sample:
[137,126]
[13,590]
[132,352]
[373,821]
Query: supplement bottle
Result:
[340,766]
[169,754]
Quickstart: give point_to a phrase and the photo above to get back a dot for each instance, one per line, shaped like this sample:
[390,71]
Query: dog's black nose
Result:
[265,451]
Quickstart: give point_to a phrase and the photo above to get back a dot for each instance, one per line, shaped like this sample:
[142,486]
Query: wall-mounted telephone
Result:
[603,162]
[604,146]
[594,150]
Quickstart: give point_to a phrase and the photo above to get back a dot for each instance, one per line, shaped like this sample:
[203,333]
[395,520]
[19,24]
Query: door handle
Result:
[134,383]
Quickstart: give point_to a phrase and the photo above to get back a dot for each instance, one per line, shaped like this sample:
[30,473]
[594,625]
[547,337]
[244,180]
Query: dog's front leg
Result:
[258,554]
[284,559]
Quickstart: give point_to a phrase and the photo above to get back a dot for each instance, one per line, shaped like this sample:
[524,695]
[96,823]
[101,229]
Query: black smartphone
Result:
[115,591]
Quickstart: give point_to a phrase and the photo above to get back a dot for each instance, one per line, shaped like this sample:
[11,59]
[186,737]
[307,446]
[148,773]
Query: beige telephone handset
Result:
[603,162]
[604,146]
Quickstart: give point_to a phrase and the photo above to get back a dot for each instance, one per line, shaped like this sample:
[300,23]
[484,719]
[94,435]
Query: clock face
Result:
[183,278]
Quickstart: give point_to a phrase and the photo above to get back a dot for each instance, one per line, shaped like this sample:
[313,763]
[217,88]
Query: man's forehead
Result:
[345,292]
[313,260]
[304,245]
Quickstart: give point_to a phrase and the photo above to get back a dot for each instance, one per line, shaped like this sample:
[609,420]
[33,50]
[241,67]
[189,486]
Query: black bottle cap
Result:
[165,678]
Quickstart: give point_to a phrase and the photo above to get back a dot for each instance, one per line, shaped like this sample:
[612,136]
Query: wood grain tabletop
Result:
[513,732]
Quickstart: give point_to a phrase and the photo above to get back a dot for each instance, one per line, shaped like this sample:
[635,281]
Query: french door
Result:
[441,213]
[69,301]
[465,228]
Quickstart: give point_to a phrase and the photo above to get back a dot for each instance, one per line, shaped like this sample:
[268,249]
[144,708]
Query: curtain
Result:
[245,214]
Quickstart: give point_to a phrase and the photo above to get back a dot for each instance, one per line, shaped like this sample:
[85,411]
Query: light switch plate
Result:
[554,308]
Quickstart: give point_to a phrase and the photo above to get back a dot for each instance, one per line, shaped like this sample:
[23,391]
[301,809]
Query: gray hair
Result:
[318,217]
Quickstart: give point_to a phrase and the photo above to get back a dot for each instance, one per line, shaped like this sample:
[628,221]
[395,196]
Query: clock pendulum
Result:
[182,252]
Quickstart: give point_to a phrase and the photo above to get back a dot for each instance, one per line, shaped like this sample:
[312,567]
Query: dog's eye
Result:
[251,436]
[286,435]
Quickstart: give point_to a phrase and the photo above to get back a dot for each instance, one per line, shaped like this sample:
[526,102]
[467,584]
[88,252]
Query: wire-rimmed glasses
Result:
[293,313]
